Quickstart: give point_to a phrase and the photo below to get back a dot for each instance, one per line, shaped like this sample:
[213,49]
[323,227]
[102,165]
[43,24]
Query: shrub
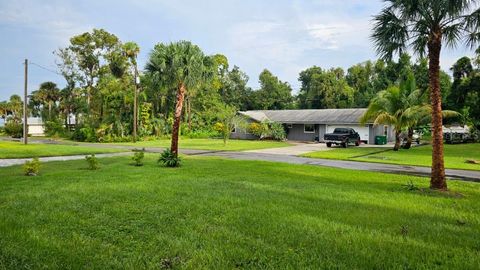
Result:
[268,130]
[277,132]
[54,129]
[92,162]
[256,129]
[84,134]
[14,129]
[31,168]
[169,159]
[138,157]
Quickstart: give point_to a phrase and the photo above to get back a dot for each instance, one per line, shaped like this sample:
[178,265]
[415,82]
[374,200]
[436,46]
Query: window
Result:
[308,128]
[234,129]
[385,130]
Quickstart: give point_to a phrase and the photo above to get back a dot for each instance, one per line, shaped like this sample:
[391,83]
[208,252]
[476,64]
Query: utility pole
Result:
[25,125]
[135,109]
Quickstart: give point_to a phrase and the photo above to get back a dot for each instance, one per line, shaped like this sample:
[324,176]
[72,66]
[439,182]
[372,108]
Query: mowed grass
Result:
[212,144]
[456,155]
[222,214]
[20,150]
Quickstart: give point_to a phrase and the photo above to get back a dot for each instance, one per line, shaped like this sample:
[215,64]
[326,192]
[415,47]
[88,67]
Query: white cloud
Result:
[57,21]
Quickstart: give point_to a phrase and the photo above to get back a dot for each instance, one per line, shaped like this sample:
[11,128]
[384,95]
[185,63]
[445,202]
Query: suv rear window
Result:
[341,130]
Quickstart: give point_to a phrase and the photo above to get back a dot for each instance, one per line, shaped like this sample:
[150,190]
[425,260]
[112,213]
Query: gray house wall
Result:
[296,133]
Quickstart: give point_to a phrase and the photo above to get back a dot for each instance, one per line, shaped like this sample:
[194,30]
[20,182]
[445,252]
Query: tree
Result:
[131,50]
[426,25]
[179,65]
[396,106]
[324,89]
[227,121]
[89,49]
[273,93]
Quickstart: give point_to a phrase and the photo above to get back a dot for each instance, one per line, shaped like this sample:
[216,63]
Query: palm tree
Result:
[49,94]
[394,106]
[132,50]
[179,65]
[424,25]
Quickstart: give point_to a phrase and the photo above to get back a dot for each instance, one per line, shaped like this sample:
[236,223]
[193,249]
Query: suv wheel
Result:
[329,144]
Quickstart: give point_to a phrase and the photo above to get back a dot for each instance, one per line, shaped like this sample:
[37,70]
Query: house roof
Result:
[320,116]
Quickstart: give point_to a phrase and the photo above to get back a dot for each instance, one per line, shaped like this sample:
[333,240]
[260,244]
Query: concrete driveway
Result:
[296,149]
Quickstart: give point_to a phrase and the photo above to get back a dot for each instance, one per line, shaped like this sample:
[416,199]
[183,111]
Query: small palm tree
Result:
[394,106]
[425,25]
[179,65]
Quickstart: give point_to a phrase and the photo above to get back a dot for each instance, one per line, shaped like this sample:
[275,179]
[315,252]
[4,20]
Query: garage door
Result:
[362,130]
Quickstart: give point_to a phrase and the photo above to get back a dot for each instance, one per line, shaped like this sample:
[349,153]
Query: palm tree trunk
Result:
[177,119]
[397,140]
[189,109]
[49,110]
[437,180]
[409,138]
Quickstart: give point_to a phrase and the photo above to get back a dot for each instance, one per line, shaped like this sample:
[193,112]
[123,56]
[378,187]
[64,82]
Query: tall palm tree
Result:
[49,94]
[425,25]
[179,65]
[132,50]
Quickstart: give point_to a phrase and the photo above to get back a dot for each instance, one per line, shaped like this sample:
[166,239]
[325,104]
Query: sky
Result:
[283,36]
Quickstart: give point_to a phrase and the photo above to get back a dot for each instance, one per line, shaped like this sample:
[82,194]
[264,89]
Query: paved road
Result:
[355,165]
[294,150]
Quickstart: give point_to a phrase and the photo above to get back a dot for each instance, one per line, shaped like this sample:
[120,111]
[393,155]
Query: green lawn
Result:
[19,150]
[212,144]
[456,155]
[223,214]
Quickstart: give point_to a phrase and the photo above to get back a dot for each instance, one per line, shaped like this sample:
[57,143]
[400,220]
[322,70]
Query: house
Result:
[35,126]
[311,125]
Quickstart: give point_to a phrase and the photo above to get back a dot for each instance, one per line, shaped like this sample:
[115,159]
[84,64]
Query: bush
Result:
[277,132]
[256,129]
[92,162]
[138,158]
[14,129]
[54,129]
[268,130]
[31,168]
[169,159]
[201,134]
[84,134]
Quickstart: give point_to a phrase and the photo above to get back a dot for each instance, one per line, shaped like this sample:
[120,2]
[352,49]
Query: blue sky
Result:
[282,36]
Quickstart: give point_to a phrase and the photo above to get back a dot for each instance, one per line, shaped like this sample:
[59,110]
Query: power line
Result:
[45,68]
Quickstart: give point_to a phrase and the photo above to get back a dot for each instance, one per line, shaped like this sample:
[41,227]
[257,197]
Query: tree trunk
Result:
[409,138]
[178,116]
[189,109]
[397,140]
[50,110]
[437,180]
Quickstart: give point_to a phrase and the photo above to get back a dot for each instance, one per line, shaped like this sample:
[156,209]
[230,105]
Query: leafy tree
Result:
[181,65]
[89,49]
[234,90]
[324,89]
[227,121]
[273,93]
[426,25]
